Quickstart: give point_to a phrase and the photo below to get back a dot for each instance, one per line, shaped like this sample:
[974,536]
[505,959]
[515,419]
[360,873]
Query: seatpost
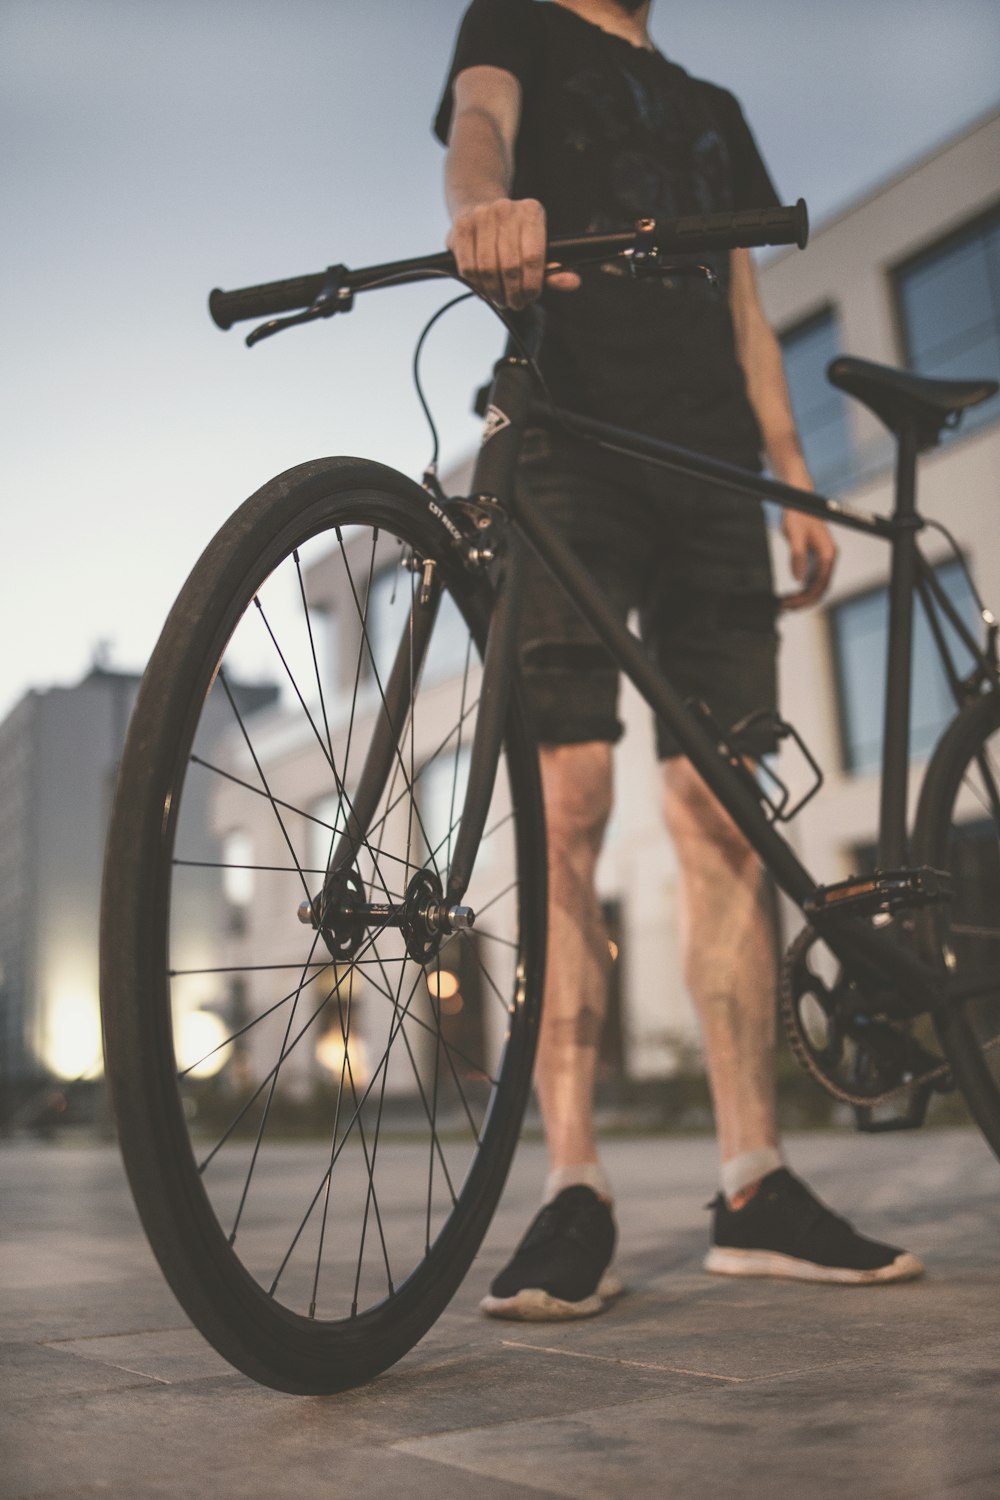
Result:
[892,841]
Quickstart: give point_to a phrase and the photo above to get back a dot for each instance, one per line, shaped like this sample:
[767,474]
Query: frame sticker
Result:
[496,421]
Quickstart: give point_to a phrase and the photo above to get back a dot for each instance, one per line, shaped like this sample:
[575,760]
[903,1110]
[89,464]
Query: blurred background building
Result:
[59,753]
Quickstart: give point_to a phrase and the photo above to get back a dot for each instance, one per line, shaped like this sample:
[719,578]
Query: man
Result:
[562,118]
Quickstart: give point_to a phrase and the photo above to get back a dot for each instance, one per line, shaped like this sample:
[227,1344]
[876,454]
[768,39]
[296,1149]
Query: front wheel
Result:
[958,830]
[317,1124]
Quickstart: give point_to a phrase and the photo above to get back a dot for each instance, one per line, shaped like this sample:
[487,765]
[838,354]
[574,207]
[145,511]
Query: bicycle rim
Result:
[316,1134]
[958,830]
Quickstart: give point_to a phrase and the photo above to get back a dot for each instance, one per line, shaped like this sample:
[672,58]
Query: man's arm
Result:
[498,242]
[813,550]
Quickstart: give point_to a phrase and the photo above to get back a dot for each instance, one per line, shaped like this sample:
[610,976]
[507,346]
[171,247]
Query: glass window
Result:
[859,629]
[237,871]
[237,877]
[949,310]
[820,409]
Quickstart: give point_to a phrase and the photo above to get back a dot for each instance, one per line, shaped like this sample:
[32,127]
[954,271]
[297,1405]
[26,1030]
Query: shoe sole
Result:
[725,1261]
[533,1305]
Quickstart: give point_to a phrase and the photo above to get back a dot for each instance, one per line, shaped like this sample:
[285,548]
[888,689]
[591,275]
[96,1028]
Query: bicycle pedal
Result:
[911,1118]
[880,894]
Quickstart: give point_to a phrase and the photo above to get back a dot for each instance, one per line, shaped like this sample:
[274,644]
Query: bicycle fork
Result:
[428,913]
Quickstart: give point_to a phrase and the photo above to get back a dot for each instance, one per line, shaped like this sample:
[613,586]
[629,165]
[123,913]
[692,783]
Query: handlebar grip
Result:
[264,301]
[742,229]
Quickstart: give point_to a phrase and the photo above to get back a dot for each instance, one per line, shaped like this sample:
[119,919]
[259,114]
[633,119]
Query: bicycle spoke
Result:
[316,1196]
[267,1110]
[265,1081]
[312,651]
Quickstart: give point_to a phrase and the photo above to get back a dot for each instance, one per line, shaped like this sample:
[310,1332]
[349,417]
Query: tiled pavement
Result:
[692,1387]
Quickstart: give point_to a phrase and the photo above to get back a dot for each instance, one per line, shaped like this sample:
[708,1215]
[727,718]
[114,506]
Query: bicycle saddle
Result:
[899,398]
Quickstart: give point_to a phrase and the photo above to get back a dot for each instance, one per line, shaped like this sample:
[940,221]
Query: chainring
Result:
[858,1055]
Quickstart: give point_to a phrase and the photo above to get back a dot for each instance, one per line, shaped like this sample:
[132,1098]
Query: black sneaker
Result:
[559,1270]
[785,1231]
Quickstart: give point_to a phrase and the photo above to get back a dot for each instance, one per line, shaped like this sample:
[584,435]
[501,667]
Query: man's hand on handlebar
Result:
[499,248]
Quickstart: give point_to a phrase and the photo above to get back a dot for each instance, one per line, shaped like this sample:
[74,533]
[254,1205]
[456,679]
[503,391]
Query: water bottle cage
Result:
[738,747]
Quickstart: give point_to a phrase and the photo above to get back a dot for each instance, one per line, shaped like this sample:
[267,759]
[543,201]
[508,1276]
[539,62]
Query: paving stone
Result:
[690,1385]
[896,1431]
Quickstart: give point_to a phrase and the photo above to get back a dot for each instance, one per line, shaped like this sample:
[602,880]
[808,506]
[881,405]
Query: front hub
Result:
[345,918]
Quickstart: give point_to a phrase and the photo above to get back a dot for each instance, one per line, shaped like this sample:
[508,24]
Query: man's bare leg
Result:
[729,960]
[560,1268]
[729,969]
[577,785]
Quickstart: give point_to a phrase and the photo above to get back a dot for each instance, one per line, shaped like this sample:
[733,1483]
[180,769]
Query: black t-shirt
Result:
[610,132]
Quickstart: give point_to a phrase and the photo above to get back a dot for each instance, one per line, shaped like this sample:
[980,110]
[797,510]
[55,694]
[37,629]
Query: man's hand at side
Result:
[812,554]
[812,548]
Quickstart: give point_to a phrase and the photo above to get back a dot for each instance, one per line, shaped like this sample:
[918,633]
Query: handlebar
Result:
[691,234]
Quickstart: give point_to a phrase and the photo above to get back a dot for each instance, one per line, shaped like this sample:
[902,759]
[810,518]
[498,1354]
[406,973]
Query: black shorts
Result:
[691,559]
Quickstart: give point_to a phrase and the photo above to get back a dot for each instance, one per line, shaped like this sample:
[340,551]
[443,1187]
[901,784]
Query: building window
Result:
[441,788]
[859,629]
[948,301]
[820,409]
[237,878]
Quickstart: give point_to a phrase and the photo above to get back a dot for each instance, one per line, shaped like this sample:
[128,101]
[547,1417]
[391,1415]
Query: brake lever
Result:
[651,265]
[332,297]
[644,259]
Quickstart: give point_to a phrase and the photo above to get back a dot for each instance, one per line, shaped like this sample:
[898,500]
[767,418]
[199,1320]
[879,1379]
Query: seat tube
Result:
[892,840]
[506,415]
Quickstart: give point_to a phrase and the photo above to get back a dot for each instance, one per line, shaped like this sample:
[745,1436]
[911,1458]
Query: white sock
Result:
[587,1174]
[742,1171]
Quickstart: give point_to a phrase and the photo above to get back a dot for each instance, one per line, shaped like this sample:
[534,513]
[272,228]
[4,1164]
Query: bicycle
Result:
[400,902]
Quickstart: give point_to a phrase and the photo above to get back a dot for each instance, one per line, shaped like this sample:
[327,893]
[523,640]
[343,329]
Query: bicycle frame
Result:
[870,953]
[852,939]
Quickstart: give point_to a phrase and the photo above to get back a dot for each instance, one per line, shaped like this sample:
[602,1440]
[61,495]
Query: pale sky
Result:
[154,150]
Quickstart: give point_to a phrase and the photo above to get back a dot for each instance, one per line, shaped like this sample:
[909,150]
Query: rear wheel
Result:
[317,1124]
[958,830]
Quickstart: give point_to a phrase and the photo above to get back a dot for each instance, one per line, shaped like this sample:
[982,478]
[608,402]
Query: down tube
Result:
[691,734]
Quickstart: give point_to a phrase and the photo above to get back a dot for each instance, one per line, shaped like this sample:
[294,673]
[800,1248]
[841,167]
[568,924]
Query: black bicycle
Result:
[325,887]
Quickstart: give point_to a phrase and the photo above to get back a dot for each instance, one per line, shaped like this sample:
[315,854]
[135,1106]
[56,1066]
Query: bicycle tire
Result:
[433,1118]
[957,829]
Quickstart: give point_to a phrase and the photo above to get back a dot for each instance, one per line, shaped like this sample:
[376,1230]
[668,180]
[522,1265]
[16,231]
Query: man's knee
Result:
[577,785]
[696,819]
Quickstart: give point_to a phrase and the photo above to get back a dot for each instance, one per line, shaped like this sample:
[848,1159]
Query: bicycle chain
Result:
[803,1054]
